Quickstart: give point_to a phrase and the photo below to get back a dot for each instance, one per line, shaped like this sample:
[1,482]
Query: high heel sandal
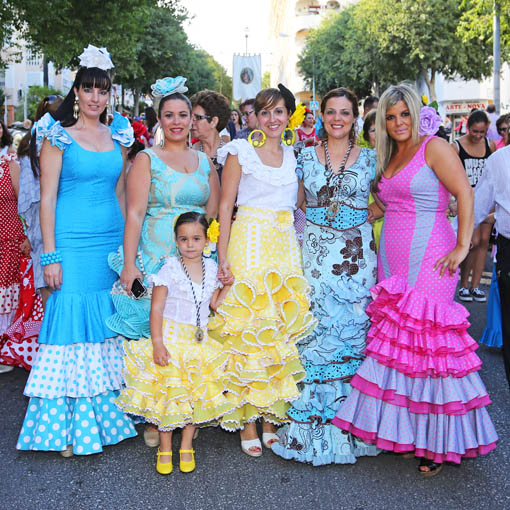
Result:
[164,468]
[151,437]
[268,438]
[187,466]
[433,468]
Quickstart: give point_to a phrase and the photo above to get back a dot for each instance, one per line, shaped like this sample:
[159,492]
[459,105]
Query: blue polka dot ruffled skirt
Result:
[72,390]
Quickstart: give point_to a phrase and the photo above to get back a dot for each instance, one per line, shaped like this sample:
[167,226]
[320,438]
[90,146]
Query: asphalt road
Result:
[124,476]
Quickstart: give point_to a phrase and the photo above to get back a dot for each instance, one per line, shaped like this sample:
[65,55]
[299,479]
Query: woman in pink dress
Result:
[418,391]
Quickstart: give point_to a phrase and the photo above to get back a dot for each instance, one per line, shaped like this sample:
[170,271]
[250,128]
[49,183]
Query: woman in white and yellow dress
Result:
[267,310]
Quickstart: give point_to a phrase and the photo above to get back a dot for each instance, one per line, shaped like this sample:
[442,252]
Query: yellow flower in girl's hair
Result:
[425,100]
[213,232]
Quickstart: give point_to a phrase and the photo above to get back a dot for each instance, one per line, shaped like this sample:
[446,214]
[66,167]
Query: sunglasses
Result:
[51,99]
[200,117]
[247,114]
[503,130]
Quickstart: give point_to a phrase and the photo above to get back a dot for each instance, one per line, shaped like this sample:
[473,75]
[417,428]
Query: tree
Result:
[60,29]
[223,80]
[35,95]
[266,80]
[376,42]
[476,23]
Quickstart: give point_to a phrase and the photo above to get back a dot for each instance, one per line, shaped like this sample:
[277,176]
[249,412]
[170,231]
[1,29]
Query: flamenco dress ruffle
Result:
[77,374]
[330,360]
[189,390]
[419,390]
[19,343]
[264,315]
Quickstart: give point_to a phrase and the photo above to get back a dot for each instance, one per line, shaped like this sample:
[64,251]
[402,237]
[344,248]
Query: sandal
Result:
[268,438]
[251,447]
[433,468]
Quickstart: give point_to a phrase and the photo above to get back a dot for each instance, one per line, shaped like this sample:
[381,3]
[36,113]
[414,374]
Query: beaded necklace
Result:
[199,332]
[334,205]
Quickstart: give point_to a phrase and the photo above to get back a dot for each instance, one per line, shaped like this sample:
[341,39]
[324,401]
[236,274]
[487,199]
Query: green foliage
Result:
[35,95]
[477,23]
[223,80]
[266,80]
[373,43]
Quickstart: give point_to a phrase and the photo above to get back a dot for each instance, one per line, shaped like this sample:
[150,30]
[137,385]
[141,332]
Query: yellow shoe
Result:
[164,468]
[187,466]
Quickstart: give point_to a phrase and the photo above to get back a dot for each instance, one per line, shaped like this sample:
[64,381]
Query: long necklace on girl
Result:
[199,332]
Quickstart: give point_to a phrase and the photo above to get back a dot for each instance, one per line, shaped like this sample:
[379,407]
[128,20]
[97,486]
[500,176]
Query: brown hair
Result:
[351,97]
[215,105]
[267,98]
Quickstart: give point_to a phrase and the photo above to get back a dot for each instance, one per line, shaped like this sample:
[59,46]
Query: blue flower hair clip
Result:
[319,126]
[166,86]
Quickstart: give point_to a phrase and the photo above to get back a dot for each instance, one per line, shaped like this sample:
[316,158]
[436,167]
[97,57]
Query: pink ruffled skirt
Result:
[419,388]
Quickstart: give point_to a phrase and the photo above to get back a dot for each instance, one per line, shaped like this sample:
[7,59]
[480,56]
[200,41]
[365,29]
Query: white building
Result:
[27,71]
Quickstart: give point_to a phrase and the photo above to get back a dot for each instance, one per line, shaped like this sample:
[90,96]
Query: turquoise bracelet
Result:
[51,258]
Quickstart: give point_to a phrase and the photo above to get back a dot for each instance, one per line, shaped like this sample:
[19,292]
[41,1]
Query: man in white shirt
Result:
[493,190]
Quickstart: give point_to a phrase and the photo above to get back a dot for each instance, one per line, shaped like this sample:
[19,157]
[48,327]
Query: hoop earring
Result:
[76,107]
[257,143]
[288,141]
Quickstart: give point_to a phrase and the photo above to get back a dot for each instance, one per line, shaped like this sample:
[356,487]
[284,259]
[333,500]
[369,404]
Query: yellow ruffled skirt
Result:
[190,389]
[262,317]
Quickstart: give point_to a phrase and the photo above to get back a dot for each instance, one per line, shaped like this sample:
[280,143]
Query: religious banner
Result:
[246,76]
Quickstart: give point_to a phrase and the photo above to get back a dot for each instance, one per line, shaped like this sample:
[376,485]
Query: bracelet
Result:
[51,258]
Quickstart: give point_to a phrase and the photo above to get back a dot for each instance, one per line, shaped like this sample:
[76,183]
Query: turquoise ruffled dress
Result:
[77,373]
[171,194]
[339,262]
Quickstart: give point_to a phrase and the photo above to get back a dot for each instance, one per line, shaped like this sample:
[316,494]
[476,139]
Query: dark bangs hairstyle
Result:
[191,217]
[86,77]
[267,99]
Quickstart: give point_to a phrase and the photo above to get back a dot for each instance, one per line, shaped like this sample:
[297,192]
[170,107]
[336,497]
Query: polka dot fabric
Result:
[86,423]
[11,236]
[418,389]
[19,343]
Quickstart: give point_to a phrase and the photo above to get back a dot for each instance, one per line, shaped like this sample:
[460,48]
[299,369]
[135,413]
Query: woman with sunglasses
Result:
[502,125]
[210,115]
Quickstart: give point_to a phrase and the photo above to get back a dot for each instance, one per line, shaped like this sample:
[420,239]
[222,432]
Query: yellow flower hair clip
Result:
[213,232]
[297,118]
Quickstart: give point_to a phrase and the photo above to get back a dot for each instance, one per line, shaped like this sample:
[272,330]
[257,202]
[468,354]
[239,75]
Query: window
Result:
[33,59]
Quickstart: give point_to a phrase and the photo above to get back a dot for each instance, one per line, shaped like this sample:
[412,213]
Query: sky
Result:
[219,27]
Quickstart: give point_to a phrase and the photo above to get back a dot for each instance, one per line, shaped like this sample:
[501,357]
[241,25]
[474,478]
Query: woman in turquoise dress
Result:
[76,375]
[164,182]
[339,262]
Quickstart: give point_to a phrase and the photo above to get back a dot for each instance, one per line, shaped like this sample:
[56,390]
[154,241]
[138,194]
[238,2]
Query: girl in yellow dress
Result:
[176,378]
[267,309]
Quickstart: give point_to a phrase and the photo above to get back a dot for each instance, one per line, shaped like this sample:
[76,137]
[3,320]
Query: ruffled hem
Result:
[190,389]
[398,303]
[76,370]
[418,336]
[449,395]
[86,423]
[492,337]
[73,318]
[320,445]
[437,436]
[131,319]
[245,412]
[19,354]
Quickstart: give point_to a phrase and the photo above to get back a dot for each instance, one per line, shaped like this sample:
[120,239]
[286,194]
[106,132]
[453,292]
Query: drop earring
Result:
[76,107]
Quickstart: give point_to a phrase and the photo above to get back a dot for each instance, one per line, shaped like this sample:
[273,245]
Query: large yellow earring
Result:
[257,143]
[76,107]
[289,140]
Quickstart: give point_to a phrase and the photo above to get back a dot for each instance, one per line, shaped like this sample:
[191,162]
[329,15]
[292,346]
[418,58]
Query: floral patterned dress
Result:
[340,264]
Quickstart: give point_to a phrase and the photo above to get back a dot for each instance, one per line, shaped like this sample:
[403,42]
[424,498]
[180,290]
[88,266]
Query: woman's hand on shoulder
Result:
[53,275]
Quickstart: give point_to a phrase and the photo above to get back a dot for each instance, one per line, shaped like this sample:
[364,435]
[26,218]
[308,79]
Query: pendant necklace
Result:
[199,332]
[334,205]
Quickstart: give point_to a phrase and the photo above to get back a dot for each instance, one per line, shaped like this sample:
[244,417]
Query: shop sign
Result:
[464,107]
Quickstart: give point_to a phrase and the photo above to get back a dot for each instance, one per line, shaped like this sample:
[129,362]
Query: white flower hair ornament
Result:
[166,86]
[93,56]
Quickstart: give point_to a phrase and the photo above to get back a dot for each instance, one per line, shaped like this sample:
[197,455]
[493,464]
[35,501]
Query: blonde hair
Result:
[385,145]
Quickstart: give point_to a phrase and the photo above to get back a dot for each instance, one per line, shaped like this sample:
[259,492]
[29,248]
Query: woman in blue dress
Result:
[164,182]
[340,264]
[77,373]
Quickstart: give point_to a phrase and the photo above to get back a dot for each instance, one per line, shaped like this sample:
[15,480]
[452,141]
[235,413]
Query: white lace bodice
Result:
[261,185]
[179,305]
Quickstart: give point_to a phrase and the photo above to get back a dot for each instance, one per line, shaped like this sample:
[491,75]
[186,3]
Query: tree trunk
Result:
[123,98]
[136,99]
[45,71]
[431,84]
